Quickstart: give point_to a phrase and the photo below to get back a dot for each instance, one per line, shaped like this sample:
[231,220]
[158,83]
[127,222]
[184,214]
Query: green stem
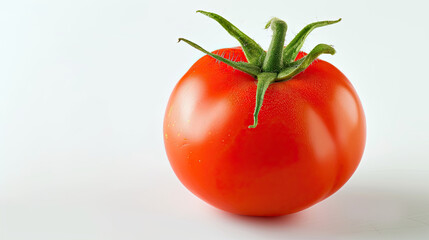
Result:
[273,60]
[264,81]
[253,52]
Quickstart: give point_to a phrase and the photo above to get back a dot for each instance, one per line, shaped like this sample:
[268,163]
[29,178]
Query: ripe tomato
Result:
[309,140]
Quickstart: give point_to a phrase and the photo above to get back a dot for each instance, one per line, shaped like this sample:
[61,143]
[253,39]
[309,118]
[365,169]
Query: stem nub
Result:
[273,60]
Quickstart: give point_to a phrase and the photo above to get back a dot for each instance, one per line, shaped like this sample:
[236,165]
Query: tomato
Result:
[308,142]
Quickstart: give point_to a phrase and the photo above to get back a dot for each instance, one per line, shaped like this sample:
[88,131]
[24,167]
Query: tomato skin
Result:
[308,142]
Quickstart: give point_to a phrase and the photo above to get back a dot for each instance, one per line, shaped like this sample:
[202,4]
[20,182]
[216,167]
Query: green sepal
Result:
[242,66]
[264,81]
[292,49]
[292,69]
[254,53]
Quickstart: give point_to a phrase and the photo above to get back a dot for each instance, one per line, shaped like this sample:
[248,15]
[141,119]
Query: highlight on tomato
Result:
[264,133]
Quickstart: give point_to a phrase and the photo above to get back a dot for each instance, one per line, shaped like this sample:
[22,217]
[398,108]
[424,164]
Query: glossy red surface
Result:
[309,140]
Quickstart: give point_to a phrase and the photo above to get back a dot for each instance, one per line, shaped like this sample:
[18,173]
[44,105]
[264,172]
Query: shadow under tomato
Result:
[358,211]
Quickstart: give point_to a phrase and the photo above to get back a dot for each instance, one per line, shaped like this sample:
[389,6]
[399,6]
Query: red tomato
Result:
[309,140]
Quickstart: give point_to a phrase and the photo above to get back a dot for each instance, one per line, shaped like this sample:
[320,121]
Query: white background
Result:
[84,84]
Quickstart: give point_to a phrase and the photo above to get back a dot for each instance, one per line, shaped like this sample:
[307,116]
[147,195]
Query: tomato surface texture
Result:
[309,140]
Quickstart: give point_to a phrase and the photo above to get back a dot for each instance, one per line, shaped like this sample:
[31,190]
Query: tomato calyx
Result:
[278,63]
